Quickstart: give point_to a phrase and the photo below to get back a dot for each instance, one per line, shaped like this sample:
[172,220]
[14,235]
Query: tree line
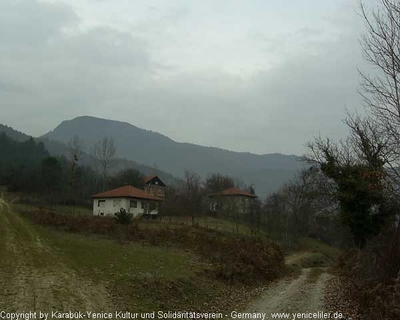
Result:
[285,215]
[27,167]
[302,207]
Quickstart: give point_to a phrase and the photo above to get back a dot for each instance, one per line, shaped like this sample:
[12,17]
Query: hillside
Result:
[58,148]
[13,134]
[267,172]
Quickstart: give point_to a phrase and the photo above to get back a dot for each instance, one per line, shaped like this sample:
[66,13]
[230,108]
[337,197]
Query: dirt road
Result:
[302,294]
[35,277]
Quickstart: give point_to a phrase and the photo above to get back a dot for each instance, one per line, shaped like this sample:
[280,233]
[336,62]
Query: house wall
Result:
[231,204]
[155,190]
[109,206]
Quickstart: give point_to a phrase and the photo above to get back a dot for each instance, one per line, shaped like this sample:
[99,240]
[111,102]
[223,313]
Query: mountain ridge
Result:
[166,137]
[267,172]
[58,148]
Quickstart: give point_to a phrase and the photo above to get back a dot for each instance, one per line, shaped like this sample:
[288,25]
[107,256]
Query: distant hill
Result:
[268,172]
[58,148]
[13,134]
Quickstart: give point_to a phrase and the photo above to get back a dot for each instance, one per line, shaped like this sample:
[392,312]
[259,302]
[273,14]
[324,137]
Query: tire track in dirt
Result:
[302,294]
[34,277]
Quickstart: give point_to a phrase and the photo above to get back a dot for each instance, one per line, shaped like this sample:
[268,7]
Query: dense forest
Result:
[20,163]
[27,167]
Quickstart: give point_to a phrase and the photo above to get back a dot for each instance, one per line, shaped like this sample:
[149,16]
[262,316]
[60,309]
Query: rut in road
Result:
[303,294]
[35,277]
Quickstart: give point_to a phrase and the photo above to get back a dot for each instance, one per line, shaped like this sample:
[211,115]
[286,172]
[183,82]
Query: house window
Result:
[151,189]
[116,202]
[101,203]
[133,204]
[142,204]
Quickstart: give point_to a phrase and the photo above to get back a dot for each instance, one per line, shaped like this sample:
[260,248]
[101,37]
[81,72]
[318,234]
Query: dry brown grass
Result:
[234,258]
[374,275]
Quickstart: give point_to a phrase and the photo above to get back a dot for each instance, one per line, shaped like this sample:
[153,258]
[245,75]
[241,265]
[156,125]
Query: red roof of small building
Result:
[234,192]
[127,192]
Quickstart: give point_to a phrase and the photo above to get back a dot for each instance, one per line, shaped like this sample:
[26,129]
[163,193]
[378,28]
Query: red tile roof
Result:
[127,192]
[234,192]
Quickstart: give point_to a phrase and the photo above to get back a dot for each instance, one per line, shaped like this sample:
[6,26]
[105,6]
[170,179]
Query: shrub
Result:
[374,275]
[123,217]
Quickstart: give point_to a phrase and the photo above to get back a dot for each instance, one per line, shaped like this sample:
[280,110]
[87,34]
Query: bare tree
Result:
[302,193]
[75,147]
[278,217]
[104,151]
[192,194]
[217,183]
[381,90]
[293,211]
[273,209]
[254,216]
[362,165]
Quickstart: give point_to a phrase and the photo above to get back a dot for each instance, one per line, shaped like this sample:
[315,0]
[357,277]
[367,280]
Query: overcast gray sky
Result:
[262,76]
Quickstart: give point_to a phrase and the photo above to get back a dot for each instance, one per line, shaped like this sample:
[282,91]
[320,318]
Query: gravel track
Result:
[302,294]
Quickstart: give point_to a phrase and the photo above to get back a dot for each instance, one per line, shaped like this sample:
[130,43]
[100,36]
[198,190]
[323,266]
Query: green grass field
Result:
[71,209]
[144,277]
[138,276]
[312,253]
[313,245]
[218,224]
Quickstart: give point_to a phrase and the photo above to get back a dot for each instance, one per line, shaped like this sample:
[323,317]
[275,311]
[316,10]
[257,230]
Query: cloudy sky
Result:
[262,76]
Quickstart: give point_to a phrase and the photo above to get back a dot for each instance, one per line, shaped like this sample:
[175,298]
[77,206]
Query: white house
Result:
[133,200]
